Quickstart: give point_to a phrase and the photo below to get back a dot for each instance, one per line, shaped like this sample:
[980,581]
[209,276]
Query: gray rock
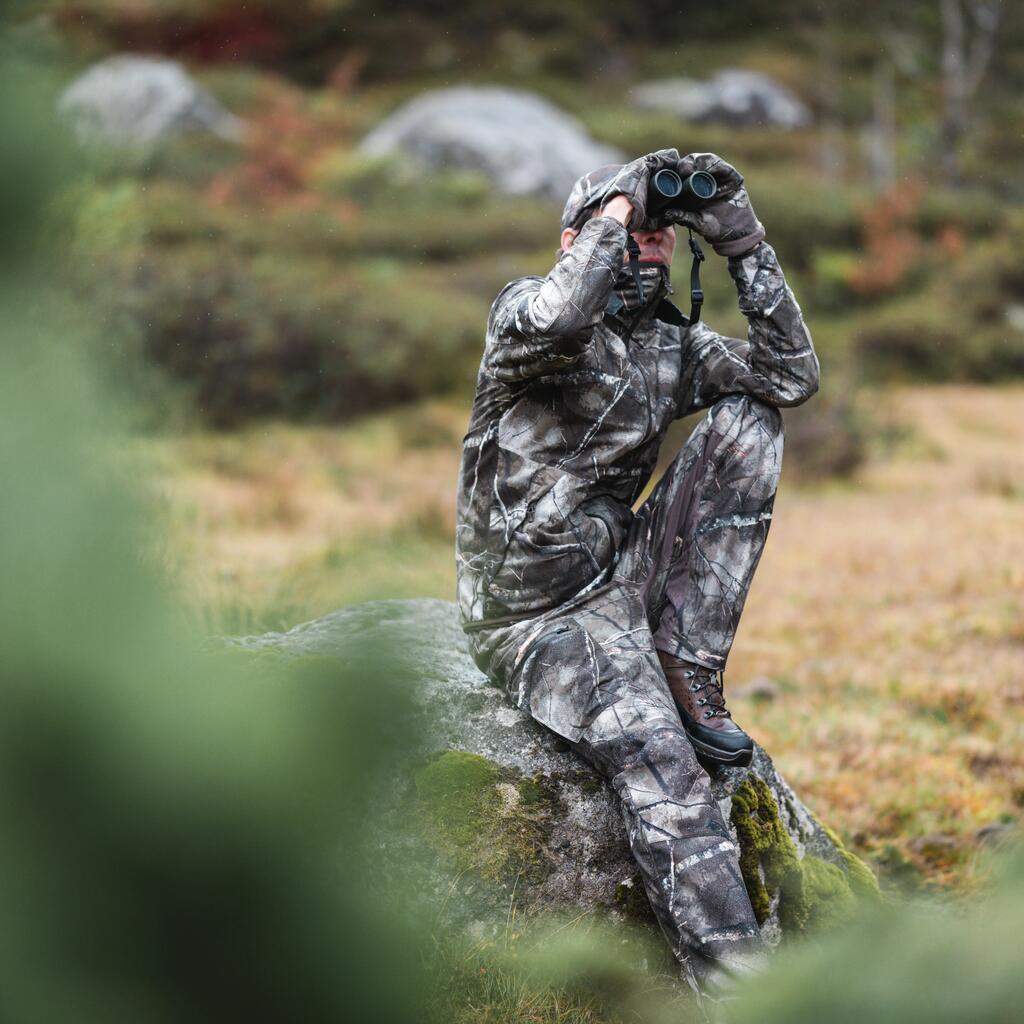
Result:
[142,100]
[585,861]
[995,834]
[731,96]
[522,142]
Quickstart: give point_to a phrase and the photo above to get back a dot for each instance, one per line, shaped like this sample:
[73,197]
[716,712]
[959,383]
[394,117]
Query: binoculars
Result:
[669,189]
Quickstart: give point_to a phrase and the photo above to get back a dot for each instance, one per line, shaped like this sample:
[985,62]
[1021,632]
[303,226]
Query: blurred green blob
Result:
[38,156]
[186,834]
[905,963]
[861,878]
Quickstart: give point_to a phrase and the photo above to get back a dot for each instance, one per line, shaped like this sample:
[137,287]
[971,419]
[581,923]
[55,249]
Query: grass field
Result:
[887,614]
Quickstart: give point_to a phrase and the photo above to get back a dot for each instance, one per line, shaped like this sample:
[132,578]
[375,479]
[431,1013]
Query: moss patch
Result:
[480,816]
[768,858]
[812,893]
[828,895]
[632,900]
[861,878]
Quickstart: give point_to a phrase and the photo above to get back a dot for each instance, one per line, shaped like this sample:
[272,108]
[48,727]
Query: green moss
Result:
[480,816]
[459,795]
[532,791]
[812,893]
[768,858]
[794,818]
[862,879]
[828,895]
[631,898]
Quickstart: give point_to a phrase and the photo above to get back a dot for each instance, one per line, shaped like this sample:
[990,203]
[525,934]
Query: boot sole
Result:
[716,755]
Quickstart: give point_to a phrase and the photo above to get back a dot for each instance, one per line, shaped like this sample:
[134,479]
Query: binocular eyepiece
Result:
[669,189]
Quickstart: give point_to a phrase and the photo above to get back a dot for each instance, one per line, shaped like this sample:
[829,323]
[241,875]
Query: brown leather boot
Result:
[698,694]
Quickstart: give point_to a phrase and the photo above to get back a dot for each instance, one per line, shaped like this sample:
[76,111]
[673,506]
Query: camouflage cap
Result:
[586,194]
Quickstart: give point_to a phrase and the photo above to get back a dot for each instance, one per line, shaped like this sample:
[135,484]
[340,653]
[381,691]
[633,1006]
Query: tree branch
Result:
[986,17]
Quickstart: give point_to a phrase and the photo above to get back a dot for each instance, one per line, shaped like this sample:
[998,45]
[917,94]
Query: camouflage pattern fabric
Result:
[567,594]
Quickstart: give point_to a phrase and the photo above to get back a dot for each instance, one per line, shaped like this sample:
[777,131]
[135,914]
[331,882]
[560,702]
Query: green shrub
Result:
[169,216]
[803,215]
[301,340]
[975,213]
[388,183]
[962,327]
[913,341]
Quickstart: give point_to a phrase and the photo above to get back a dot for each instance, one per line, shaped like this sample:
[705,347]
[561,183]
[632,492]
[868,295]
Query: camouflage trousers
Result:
[589,671]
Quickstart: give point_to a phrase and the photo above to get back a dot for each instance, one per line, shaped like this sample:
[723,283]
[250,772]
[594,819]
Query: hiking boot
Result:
[697,691]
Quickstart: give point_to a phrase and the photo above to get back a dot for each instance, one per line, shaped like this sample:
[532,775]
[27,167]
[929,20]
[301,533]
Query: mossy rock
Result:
[481,816]
[632,900]
[807,892]
[527,824]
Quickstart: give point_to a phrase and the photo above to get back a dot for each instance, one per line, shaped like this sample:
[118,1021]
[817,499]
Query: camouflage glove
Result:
[632,181]
[728,222]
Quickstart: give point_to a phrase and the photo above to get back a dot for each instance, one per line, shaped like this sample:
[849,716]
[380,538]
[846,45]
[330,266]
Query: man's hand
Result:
[618,207]
[728,222]
[632,182]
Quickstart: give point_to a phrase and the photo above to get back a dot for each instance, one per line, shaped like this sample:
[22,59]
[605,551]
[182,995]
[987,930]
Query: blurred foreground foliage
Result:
[183,829]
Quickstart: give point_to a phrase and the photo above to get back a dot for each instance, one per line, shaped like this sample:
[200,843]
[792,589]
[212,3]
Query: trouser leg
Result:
[593,677]
[695,543]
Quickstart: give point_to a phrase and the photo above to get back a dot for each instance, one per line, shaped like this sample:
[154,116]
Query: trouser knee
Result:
[665,768]
[745,413]
[746,430]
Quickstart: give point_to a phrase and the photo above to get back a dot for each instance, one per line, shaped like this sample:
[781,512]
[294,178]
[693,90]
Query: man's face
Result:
[655,246]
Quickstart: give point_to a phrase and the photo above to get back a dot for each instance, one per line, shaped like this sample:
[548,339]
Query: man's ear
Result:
[568,237]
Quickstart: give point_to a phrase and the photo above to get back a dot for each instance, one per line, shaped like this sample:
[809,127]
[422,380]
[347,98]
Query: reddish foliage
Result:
[225,31]
[950,240]
[282,143]
[891,240]
[235,33]
[345,74]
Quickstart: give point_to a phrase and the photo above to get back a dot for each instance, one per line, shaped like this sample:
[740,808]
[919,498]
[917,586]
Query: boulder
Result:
[141,100]
[522,142]
[515,811]
[731,96]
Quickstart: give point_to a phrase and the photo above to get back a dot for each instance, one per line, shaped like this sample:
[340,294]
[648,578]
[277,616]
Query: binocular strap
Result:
[696,292]
[634,265]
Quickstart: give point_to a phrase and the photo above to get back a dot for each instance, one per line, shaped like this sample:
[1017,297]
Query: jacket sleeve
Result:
[540,325]
[776,363]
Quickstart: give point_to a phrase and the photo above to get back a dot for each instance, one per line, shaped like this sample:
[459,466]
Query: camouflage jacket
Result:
[572,402]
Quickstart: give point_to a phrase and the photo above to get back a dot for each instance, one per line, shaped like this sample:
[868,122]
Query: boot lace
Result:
[713,702]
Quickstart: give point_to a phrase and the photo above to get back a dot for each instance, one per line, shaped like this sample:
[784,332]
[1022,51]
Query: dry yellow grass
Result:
[893,613]
[889,611]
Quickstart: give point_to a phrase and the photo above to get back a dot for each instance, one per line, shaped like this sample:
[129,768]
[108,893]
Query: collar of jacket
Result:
[624,303]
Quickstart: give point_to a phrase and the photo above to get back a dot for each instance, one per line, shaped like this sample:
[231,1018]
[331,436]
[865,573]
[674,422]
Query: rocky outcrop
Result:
[522,142]
[141,100]
[512,808]
[732,96]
